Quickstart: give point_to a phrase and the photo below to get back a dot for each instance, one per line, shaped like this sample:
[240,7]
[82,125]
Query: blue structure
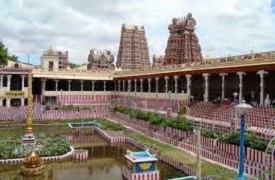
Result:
[241,158]
[139,165]
[141,161]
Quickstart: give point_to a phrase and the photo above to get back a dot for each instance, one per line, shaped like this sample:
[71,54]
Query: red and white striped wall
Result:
[126,173]
[80,154]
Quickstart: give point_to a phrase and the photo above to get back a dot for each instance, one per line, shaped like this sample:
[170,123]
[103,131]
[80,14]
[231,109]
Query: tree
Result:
[5,56]
[73,65]
[13,58]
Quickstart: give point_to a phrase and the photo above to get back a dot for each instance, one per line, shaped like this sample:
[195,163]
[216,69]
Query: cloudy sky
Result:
[223,26]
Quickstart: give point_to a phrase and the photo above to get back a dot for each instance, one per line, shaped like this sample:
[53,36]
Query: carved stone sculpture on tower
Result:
[158,61]
[133,49]
[183,44]
[100,59]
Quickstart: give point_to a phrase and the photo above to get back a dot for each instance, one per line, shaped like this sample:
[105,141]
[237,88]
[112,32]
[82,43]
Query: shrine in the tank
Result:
[139,165]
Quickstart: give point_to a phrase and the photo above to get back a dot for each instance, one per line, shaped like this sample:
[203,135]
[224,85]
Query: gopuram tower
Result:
[133,49]
[183,44]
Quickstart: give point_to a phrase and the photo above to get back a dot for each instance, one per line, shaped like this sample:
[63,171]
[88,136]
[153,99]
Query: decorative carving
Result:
[100,59]
[133,50]
[183,44]
[158,61]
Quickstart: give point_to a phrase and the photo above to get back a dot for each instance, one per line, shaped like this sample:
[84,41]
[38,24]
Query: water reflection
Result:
[104,162]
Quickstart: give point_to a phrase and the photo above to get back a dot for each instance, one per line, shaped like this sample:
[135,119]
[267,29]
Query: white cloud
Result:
[223,27]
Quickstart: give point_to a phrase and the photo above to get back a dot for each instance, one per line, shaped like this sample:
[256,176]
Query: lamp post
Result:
[242,108]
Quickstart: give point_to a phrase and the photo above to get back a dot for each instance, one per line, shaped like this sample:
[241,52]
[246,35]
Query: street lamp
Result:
[242,108]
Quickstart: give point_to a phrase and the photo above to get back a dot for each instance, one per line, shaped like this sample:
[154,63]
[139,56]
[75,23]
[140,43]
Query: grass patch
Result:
[208,169]
[17,132]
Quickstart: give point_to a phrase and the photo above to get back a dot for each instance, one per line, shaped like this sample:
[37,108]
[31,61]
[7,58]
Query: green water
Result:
[104,163]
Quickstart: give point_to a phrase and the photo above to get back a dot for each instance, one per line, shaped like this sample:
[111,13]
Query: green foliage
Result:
[73,65]
[108,125]
[5,56]
[182,110]
[55,146]
[122,109]
[52,146]
[251,140]
[156,119]
[179,122]
[6,149]
[69,107]
[211,134]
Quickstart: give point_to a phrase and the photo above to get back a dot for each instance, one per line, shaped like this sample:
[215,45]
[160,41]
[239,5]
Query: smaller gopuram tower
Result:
[183,44]
[158,61]
[133,49]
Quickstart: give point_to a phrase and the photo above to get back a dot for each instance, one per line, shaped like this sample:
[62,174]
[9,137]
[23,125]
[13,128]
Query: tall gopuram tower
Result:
[133,49]
[183,44]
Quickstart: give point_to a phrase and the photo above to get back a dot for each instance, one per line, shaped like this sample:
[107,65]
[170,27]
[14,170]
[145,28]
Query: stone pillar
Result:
[56,85]
[206,86]
[43,85]
[22,81]
[93,85]
[8,102]
[1,81]
[115,86]
[166,84]
[69,85]
[123,85]
[1,102]
[135,85]
[176,83]
[104,85]
[22,102]
[149,85]
[141,85]
[9,82]
[188,84]
[240,85]
[129,85]
[81,85]
[157,84]
[223,84]
[262,84]
[119,86]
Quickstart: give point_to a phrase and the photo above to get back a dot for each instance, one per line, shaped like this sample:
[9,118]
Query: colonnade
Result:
[188,84]
[69,85]
[7,87]
[144,85]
